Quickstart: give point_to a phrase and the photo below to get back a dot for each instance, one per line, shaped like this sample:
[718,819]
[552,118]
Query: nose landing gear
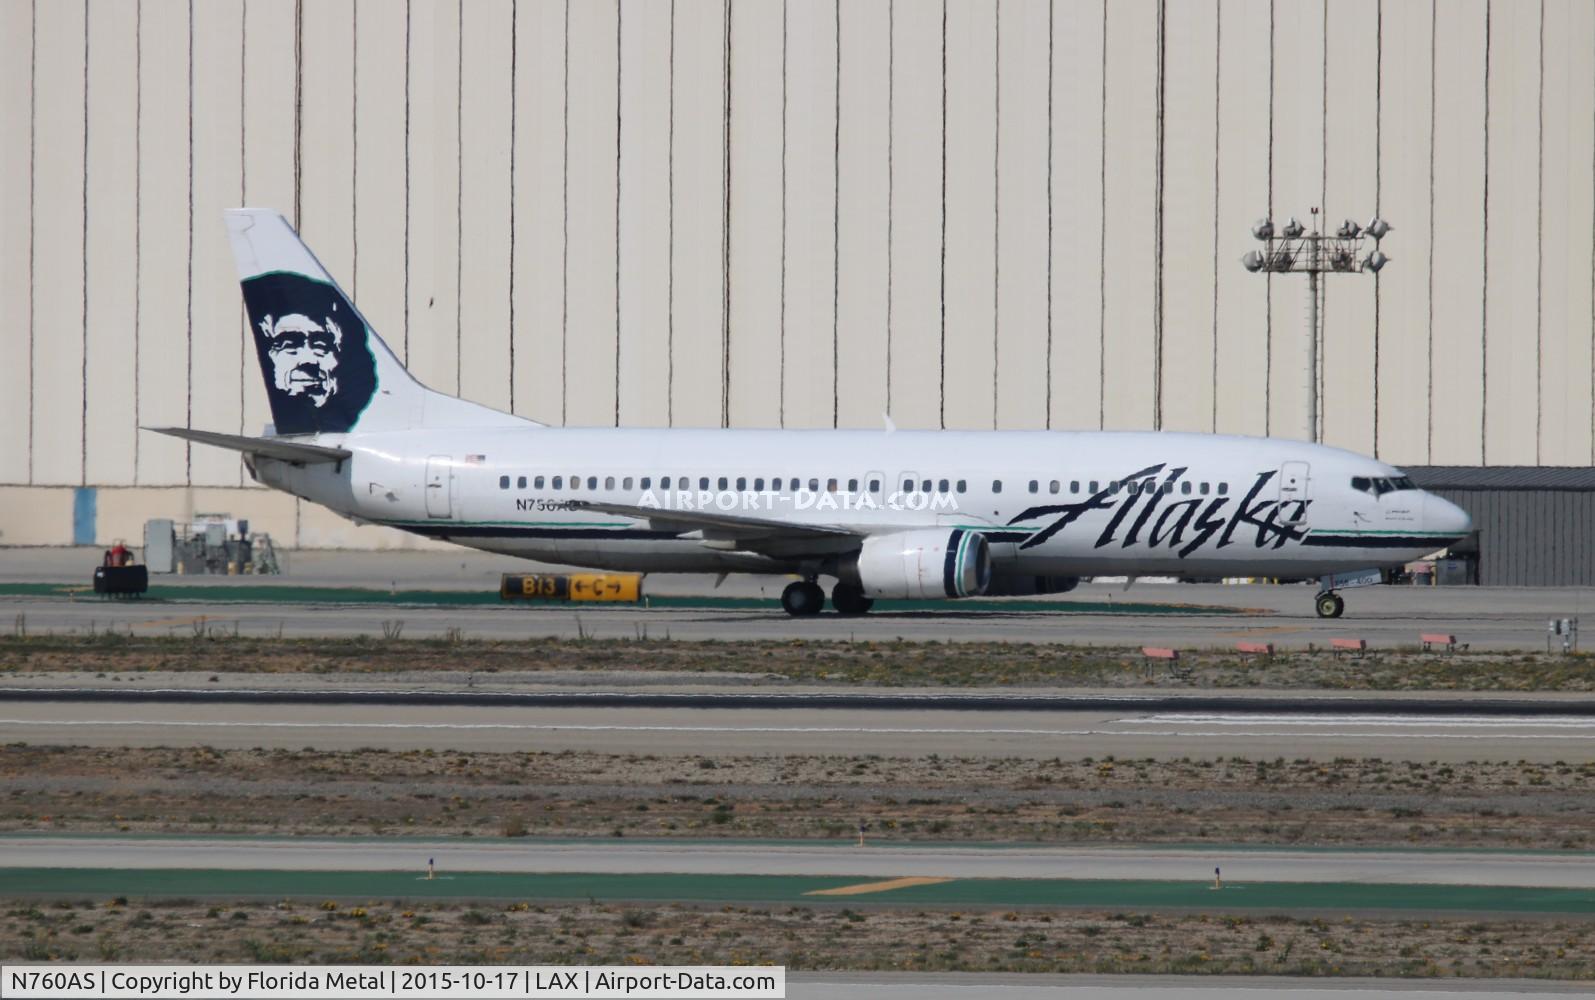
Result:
[1329,604]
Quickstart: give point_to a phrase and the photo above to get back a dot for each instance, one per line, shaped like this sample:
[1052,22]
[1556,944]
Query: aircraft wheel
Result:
[849,599]
[1330,605]
[802,598]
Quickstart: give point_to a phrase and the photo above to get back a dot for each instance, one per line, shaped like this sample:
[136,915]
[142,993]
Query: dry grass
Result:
[1363,801]
[896,663]
[801,938]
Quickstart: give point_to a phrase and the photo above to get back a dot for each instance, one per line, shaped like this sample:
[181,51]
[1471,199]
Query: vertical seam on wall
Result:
[354,149]
[1157,219]
[83,423]
[138,225]
[299,114]
[1051,15]
[407,59]
[1320,347]
[1268,279]
[891,181]
[1592,314]
[1539,259]
[1484,251]
[725,218]
[188,446]
[243,196]
[1218,62]
[565,211]
[942,376]
[996,208]
[1378,190]
[1102,238]
[670,226]
[33,199]
[836,228]
[1428,455]
[514,90]
[459,197]
[781,387]
[619,97]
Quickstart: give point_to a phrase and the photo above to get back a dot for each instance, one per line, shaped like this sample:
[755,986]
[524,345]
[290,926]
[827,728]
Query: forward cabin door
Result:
[439,486]
[1293,482]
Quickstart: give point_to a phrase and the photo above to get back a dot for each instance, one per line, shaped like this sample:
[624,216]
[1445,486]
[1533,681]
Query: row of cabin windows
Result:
[832,485]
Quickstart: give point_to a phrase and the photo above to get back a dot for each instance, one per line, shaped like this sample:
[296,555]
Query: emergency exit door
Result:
[439,486]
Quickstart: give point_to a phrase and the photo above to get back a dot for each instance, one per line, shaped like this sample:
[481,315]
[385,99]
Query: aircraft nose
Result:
[1441,515]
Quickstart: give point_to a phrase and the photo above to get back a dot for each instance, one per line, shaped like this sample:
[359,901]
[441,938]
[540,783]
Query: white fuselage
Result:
[1061,503]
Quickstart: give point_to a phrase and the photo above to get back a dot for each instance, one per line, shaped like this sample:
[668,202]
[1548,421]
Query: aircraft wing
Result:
[278,448]
[752,532]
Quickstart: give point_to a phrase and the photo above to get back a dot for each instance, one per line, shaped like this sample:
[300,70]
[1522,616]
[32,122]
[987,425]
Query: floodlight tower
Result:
[1294,250]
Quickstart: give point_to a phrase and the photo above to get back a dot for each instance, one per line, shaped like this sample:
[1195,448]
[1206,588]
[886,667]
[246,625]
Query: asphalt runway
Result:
[1540,870]
[804,731]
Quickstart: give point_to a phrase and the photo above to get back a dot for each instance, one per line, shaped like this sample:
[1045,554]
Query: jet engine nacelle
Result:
[928,563]
[1026,585]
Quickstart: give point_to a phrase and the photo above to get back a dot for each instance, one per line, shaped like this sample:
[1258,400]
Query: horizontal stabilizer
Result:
[278,448]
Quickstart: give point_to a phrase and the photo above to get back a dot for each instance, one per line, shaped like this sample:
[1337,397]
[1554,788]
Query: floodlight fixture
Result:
[1295,250]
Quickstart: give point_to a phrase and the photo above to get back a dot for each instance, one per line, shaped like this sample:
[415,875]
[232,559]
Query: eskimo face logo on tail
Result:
[320,374]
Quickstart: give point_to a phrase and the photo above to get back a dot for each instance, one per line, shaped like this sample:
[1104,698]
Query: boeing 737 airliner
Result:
[887,514]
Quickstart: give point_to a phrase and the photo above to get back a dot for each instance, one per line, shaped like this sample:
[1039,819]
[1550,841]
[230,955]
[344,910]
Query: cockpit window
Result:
[1404,483]
[1361,483]
[1380,485]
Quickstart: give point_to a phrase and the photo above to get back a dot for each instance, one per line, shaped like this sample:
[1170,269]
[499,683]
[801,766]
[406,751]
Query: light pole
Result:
[1294,250]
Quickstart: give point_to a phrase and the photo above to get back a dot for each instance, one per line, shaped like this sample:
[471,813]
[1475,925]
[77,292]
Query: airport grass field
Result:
[207,644]
[802,937]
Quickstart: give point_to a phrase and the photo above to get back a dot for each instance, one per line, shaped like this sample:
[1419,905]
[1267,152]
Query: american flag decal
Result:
[475,459]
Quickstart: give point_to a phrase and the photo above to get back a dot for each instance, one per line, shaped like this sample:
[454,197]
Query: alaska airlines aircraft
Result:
[887,513]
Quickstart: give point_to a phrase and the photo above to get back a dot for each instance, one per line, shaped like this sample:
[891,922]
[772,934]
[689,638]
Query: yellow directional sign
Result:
[614,587]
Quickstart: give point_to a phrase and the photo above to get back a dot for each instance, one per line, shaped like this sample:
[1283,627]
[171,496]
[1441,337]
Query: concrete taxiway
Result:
[803,731]
[1485,868]
[1496,619]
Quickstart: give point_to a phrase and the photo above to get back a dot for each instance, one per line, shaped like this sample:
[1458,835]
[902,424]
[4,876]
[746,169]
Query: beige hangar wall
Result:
[1010,213]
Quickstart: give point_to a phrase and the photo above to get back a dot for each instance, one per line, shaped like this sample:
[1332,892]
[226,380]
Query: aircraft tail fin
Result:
[326,370]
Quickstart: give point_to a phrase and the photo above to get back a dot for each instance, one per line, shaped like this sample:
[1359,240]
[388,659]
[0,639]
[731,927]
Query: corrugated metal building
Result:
[1535,524]
[972,214]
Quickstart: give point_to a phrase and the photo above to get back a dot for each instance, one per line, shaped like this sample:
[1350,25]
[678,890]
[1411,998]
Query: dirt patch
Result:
[801,938]
[893,664]
[1345,802]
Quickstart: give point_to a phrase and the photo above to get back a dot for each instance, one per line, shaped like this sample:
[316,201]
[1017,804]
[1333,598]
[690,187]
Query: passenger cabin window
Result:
[559,482]
[758,484]
[1185,487]
[664,482]
[1054,486]
[503,482]
[963,485]
[908,486]
[538,482]
[830,486]
[609,482]
[592,482]
[996,486]
[742,483]
[874,485]
[1094,486]
[625,484]
[814,486]
[1223,489]
[703,482]
[1202,489]
[1074,486]
[852,486]
[1035,487]
[942,485]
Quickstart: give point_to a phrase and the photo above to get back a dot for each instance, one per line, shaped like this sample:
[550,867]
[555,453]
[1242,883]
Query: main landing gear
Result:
[1330,604]
[849,599]
[804,598]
